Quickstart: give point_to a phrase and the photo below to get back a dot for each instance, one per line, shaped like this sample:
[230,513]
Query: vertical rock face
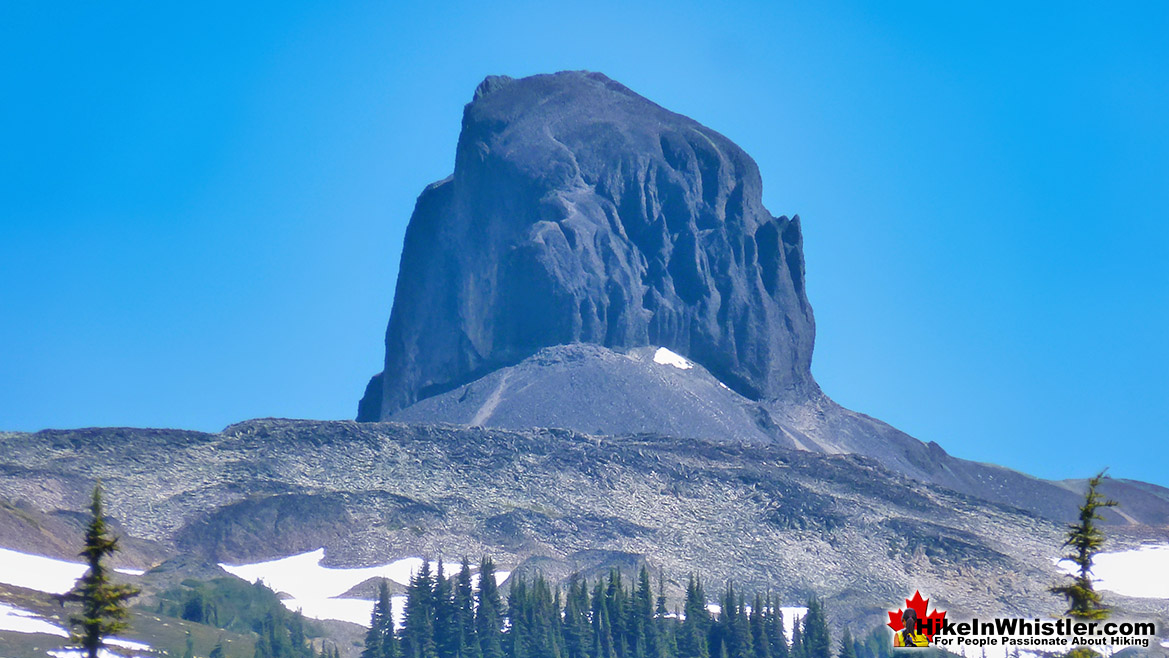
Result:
[581,212]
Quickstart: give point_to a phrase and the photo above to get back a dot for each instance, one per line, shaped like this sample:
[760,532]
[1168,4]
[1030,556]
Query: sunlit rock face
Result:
[580,211]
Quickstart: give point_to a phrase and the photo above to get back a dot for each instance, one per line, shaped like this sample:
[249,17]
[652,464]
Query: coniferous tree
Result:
[847,647]
[692,636]
[516,642]
[776,634]
[817,643]
[577,634]
[736,629]
[602,626]
[645,641]
[375,637]
[617,603]
[488,612]
[464,601]
[533,614]
[447,640]
[759,639]
[1085,539]
[667,637]
[797,647]
[417,637]
[104,604]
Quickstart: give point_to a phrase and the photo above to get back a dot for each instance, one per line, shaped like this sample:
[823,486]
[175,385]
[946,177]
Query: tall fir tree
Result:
[847,646]
[602,627]
[447,639]
[1085,539]
[666,627]
[577,634]
[104,604]
[817,643]
[646,643]
[758,621]
[464,601]
[797,646]
[417,636]
[696,623]
[488,612]
[617,602]
[736,629]
[379,639]
[776,633]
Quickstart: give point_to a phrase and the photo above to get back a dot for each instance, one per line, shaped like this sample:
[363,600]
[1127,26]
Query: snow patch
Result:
[102,653]
[128,644]
[792,614]
[1127,572]
[668,358]
[302,576]
[19,620]
[43,574]
[316,590]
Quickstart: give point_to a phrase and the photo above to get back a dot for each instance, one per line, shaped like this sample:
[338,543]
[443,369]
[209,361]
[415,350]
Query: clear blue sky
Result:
[202,205]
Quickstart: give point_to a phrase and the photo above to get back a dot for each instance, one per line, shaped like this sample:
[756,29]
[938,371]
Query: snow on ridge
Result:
[303,577]
[669,358]
[1127,572]
[317,590]
[44,574]
[19,620]
[104,652]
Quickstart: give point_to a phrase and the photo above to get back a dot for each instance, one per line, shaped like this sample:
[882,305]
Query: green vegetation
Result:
[233,605]
[104,604]
[1085,539]
[608,620]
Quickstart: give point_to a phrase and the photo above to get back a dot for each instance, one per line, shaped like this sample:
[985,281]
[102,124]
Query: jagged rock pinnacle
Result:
[580,211]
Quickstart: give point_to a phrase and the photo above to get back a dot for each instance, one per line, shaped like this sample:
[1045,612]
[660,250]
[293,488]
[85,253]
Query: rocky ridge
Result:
[768,517]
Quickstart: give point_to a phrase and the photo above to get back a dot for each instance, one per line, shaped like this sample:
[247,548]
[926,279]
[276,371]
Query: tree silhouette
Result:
[1085,539]
[104,604]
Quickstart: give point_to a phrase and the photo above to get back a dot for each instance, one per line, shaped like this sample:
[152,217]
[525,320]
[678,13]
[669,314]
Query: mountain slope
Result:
[591,389]
[790,520]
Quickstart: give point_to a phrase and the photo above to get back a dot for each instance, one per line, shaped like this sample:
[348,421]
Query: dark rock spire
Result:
[580,211]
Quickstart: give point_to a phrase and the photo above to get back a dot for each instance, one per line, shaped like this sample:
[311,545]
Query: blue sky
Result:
[202,206]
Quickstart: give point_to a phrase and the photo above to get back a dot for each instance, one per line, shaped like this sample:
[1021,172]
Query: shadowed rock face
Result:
[581,212]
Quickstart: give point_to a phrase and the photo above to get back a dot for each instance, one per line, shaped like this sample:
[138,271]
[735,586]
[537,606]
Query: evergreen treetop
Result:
[104,604]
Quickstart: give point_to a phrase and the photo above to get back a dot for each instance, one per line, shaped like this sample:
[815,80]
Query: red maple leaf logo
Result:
[931,623]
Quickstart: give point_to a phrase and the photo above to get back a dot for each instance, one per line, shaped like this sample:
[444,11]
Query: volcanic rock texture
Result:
[581,212]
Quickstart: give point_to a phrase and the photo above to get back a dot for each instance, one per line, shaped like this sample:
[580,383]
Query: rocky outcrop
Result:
[579,211]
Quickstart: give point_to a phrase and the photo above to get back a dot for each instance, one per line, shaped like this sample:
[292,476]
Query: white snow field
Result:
[315,590]
[669,358]
[790,615]
[105,653]
[44,574]
[1140,572]
[18,620]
